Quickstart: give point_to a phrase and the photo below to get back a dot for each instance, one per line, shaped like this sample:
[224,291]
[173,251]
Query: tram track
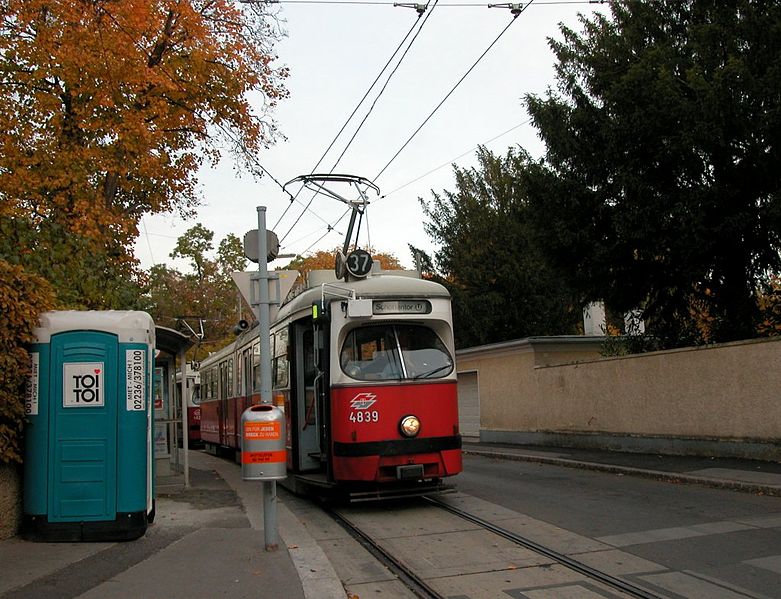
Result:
[406,575]
[606,579]
[418,585]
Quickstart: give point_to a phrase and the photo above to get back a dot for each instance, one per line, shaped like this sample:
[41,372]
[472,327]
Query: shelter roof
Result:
[171,341]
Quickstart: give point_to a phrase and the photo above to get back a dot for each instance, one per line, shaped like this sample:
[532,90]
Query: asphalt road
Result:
[727,538]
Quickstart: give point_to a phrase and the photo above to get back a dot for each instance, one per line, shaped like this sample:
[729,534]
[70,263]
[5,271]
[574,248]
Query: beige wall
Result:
[728,392]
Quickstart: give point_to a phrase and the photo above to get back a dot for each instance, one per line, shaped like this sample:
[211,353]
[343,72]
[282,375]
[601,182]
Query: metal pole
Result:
[269,487]
[185,424]
[270,515]
[263,310]
[173,446]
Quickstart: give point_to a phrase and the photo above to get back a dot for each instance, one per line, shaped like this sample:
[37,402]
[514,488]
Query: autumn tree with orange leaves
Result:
[107,110]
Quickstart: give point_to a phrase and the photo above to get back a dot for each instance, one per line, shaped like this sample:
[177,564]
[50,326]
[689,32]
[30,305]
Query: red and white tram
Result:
[365,371]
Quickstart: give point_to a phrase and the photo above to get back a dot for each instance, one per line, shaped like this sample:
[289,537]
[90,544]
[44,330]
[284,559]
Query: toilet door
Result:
[83,427]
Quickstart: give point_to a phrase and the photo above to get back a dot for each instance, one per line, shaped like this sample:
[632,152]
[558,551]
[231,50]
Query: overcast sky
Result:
[334,52]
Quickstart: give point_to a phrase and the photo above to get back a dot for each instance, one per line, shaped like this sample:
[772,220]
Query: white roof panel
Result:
[130,326]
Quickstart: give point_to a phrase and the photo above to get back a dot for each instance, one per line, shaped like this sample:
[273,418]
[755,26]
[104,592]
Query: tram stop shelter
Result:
[171,346]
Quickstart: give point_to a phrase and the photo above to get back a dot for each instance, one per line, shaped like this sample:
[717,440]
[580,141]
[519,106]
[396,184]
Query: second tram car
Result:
[365,371]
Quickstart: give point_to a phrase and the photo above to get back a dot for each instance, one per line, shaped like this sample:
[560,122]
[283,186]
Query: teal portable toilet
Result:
[88,442]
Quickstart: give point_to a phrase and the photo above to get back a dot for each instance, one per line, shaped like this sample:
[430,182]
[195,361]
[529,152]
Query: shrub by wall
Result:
[22,298]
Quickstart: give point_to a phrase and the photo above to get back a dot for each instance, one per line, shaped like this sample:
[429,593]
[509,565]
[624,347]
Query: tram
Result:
[365,372]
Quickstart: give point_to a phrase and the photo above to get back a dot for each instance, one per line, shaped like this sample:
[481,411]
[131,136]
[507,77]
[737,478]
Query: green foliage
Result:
[660,186]
[84,273]
[423,262]
[230,255]
[22,298]
[194,244]
[625,345]
[208,294]
[502,288]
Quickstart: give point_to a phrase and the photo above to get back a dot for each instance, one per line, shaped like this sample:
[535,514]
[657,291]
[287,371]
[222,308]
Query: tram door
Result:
[306,404]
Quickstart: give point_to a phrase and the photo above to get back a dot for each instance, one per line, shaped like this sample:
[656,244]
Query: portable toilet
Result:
[88,441]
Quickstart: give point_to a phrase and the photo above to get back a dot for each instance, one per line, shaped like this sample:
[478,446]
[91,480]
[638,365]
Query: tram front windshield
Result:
[395,352]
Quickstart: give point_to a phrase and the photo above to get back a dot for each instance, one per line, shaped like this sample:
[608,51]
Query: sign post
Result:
[270,526]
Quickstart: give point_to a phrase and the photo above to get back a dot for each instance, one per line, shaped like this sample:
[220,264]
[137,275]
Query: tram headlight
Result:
[409,426]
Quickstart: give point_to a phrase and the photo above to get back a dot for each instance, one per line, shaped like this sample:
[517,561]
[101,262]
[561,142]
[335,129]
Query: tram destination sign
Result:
[401,307]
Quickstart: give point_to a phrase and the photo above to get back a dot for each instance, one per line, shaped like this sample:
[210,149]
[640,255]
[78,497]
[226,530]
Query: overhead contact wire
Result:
[225,131]
[355,110]
[330,228]
[396,68]
[453,89]
[344,126]
[452,160]
[371,87]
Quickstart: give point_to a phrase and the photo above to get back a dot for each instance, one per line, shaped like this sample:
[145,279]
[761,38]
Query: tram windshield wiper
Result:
[427,374]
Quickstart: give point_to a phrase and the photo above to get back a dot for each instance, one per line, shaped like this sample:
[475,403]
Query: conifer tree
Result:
[661,183]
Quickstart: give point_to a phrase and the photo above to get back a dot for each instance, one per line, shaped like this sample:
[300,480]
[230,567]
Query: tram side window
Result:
[206,381]
[239,380]
[246,376]
[280,372]
[280,365]
[230,378]
[394,352]
[196,398]
[256,367]
[222,388]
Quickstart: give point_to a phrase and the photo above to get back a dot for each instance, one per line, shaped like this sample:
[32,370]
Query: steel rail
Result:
[405,575]
[603,577]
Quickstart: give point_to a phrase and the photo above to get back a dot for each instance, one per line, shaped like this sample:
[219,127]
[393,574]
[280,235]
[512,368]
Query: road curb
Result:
[672,477]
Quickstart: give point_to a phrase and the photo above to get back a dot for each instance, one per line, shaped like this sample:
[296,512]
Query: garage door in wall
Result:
[468,404]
